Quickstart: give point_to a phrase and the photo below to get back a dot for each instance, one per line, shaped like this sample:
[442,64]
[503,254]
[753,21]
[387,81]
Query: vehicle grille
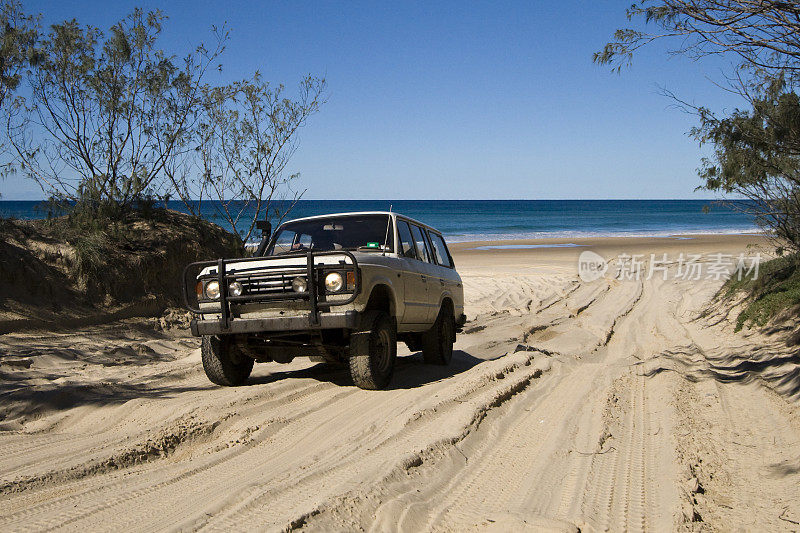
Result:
[266,284]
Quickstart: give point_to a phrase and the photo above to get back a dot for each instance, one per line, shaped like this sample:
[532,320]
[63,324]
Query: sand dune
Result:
[621,405]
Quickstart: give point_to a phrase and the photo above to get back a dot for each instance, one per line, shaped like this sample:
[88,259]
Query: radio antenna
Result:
[388,225]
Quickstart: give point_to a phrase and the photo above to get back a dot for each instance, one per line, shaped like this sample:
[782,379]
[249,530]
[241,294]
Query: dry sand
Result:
[621,405]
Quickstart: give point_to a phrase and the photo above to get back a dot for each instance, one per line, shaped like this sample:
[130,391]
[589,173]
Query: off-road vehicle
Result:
[341,288]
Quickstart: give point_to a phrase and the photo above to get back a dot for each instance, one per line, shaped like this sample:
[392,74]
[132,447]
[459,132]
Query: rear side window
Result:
[440,251]
[422,244]
[406,241]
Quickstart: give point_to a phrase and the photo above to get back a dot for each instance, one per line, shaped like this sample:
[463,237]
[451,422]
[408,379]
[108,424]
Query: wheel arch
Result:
[447,301]
[382,298]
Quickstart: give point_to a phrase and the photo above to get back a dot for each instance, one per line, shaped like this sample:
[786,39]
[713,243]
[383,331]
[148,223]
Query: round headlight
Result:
[299,284]
[212,290]
[235,288]
[334,282]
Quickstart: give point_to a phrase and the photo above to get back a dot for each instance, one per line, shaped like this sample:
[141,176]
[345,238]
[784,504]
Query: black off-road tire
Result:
[437,342]
[373,351]
[223,362]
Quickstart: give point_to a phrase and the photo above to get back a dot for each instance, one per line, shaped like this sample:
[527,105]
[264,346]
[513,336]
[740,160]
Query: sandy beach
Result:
[612,404]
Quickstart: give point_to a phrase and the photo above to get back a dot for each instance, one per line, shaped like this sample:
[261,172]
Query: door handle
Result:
[424,279]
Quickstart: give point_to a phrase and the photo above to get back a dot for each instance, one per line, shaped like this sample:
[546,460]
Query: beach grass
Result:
[774,292]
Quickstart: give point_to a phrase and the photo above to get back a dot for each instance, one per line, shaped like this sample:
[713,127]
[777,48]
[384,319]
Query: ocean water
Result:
[469,220]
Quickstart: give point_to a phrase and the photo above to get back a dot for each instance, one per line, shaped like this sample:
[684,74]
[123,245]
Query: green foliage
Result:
[18,33]
[246,134]
[756,150]
[91,255]
[754,35]
[93,231]
[776,291]
[757,156]
[63,263]
[106,112]
[110,118]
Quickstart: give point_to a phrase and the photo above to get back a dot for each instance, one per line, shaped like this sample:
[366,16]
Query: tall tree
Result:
[106,112]
[245,136]
[756,151]
[18,34]
[108,120]
[756,33]
[757,156]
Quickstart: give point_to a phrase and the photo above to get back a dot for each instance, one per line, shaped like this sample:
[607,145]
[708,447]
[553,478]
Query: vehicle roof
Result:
[353,213]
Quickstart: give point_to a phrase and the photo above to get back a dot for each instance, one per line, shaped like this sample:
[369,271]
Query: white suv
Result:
[340,288]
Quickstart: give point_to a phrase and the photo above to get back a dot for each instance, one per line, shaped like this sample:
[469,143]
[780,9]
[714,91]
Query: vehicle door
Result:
[415,293]
[448,279]
[428,270]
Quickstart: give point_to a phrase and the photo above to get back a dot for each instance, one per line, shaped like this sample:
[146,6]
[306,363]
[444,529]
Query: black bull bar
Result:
[315,293]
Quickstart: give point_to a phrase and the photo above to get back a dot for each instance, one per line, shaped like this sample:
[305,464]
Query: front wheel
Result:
[437,342]
[373,350]
[223,362]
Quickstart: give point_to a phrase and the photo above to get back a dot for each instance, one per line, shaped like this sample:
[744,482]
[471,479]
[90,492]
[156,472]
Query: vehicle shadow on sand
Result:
[18,398]
[410,372]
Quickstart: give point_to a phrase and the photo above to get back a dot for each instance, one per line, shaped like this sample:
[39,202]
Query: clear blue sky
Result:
[454,100]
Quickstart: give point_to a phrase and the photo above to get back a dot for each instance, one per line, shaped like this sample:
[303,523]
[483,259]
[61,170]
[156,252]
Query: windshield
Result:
[352,232]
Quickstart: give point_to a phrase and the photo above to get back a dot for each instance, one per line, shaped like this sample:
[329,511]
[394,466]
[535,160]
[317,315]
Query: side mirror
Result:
[265,226]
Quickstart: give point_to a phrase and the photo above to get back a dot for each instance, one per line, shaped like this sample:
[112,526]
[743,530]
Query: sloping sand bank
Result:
[594,405]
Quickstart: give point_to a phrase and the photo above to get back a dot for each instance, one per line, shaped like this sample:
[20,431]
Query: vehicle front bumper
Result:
[344,320]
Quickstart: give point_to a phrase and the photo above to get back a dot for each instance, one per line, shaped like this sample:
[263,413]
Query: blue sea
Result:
[470,220]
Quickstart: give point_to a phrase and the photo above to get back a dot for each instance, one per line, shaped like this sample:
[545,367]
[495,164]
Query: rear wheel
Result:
[437,342]
[224,362]
[373,351]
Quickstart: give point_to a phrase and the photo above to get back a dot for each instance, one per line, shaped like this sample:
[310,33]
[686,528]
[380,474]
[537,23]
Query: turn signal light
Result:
[351,279]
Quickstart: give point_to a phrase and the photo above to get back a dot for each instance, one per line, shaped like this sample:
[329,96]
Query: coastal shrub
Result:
[149,126]
[134,259]
[774,293]
[754,148]
[91,255]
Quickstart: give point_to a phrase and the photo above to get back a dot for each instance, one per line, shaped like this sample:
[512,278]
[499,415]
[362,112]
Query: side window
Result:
[422,245]
[284,242]
[440,250]
[406,241]
[303,242]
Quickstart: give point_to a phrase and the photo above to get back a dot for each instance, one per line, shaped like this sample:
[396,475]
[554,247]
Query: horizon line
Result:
[451,200]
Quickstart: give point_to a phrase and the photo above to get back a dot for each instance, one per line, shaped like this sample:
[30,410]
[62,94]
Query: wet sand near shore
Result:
[565,252]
